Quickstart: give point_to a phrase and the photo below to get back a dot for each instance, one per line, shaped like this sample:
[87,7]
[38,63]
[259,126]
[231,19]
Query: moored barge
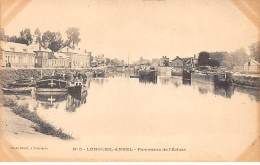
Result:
[52,84]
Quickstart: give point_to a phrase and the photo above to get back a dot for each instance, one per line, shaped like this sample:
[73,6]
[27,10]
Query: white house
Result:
[252,66]
[17,55]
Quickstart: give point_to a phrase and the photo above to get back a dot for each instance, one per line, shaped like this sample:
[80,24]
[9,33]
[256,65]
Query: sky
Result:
[147,28]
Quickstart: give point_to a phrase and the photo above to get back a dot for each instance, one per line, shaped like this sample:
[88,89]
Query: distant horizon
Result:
[150,29]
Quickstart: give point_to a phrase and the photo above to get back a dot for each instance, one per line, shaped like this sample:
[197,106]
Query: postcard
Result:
[129,81]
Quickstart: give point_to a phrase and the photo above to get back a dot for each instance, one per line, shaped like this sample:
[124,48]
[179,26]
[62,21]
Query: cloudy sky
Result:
[148,28]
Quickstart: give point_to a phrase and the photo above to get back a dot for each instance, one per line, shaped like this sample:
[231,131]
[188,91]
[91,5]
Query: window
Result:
[248,63]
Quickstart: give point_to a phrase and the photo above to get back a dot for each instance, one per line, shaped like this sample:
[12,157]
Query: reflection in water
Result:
[217,90]
[165,80]
[132,113]
[225,91]
[49,100]
[252,93]
[202,90]
[186,82]
[75,101]
[99,81]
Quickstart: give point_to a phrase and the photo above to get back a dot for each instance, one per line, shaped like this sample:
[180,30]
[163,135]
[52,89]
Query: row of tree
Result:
[229,59]
[49,39]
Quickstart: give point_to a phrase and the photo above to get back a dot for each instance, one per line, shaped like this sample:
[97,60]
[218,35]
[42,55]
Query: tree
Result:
[213,63]
[108,61]
[73,37]
[255,51]
[238,57]
[25,37]
[165,61]
[12,39]
[203,59]
[52,40]
[218,56]
[38,36]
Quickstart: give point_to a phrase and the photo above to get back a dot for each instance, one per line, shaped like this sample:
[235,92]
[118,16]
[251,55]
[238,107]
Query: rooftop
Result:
[15,47]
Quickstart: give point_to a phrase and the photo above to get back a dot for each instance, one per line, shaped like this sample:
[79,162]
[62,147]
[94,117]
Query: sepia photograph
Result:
[129,81]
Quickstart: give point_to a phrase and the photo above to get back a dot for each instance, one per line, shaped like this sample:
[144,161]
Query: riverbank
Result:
[245,80]
[242,80]
[20,121]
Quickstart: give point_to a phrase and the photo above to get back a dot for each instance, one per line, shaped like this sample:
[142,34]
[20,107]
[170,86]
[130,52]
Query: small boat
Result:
[21,86]
[77,86]
[52,84]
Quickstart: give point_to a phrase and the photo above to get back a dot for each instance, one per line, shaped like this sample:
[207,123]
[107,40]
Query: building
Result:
[101,60]
[17,55]
[252,66]
[41,55]
[76,57]
[82,58]
[58,60]
[190,62]
[177,62]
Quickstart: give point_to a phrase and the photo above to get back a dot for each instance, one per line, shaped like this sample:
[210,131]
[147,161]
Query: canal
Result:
[210,122]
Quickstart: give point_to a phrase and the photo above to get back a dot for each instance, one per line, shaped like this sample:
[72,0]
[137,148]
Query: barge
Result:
[21,86]
[52,84]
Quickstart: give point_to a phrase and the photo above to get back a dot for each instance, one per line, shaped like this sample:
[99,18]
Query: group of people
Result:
[77,76]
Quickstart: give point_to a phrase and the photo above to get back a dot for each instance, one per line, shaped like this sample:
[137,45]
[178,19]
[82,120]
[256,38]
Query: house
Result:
[70,55]
[143,61]
[177,62]
[77,58]
[190,62]
[101,60]
[17,55]
[83,58]
[58,60]
[41,55]
[252,66]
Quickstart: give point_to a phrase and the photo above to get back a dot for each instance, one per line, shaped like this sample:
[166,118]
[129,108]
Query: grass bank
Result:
[247,81]
[40,125]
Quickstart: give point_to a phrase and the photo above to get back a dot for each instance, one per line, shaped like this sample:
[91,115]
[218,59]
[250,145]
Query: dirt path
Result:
[17,127]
